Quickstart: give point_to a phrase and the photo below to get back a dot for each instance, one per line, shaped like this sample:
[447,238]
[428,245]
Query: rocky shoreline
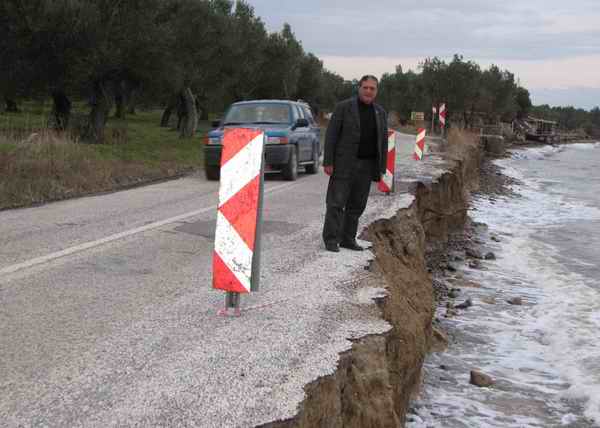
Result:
[468,247]
[376,380]
[421,255]
[451,366]
[465,245]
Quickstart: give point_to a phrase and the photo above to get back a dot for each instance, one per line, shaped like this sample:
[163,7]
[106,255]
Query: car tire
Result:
[290,170]
[313,168]
[213,173]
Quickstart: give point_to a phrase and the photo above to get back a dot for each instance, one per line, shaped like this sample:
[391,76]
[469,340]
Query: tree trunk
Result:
[285,90]
[203,112]
[164,120]
[199,109]
[119,108]
[125,97]
[190,124]
[101,104]
[181,112]
[61,109]
[171,104]
[131,102]
[11,105]
[202,107]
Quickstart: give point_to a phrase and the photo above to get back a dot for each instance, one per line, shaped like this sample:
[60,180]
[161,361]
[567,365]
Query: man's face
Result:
[367,91]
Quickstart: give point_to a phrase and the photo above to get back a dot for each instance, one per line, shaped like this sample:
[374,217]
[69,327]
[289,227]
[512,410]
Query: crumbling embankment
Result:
[375,380]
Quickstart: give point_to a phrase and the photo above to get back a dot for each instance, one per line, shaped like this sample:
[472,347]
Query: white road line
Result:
[87,245]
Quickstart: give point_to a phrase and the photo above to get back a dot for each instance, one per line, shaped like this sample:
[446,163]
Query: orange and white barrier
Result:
[386,184]
[442,115]
[236,253]
[420,144]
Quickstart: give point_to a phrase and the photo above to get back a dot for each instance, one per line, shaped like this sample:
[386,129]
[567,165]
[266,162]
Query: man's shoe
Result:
[332,246]
[351,246]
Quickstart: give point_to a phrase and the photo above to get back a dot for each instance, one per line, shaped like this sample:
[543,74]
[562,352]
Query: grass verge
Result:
[38,166]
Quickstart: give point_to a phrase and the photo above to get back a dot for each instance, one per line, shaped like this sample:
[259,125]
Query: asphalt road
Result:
[107,317]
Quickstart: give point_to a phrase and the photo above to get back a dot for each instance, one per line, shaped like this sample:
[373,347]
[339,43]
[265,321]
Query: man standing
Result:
[355,155]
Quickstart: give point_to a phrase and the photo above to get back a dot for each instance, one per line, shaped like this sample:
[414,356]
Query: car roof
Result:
[270,102]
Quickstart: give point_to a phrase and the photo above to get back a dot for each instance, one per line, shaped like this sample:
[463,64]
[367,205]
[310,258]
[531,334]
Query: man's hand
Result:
[328,169]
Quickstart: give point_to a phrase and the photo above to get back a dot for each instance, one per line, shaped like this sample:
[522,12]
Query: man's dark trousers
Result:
[346,201]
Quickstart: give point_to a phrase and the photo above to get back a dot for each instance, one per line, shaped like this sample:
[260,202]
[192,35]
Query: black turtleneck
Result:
[368,131]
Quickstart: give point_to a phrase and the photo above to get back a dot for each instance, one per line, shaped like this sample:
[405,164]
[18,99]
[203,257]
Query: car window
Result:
[308,114]
[258,113]
[295,112]
[302,115]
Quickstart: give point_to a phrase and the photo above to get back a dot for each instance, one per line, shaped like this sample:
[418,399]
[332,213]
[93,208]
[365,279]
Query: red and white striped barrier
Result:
[386,184]
[236,253]
[420,144]
[442,115]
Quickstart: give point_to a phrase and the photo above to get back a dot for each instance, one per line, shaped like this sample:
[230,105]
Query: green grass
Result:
[38,165]
[145,140]
[151,144]
[6,147]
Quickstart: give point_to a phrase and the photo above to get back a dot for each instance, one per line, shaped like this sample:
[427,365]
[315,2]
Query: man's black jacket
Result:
[343,138]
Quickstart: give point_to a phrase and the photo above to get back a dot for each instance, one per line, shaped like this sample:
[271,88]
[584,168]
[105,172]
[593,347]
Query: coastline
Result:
[375,381]
[337,342]
[466,306]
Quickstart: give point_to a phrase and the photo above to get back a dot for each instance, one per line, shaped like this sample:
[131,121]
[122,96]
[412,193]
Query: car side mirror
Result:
[215,123]
[301,123]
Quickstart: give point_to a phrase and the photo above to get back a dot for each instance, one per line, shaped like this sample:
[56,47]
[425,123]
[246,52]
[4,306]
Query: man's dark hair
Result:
[367,77]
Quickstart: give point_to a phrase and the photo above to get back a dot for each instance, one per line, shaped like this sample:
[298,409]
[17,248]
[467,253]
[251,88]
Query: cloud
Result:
[560,73]
[581,97]
[486,29]
[550,44]
[352,67]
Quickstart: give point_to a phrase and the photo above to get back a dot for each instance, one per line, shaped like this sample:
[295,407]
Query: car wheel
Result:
[290,170]
[313,168]
[212,173]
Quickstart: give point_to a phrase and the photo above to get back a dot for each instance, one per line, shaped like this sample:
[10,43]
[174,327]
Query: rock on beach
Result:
[480,379]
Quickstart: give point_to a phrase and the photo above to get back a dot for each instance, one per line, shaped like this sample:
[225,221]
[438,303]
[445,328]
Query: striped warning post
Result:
[386,184]
[236,253]
[443,115]
[420,144]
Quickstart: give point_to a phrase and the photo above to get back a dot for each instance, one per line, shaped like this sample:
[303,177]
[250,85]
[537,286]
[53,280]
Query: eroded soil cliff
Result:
[376,379]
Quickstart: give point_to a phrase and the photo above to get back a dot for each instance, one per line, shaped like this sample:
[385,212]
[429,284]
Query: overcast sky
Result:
[553,47]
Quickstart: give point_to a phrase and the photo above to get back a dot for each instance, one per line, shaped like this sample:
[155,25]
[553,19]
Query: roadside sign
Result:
[386,184]
[417,116]
[237,236]
[443,115]
[420,144]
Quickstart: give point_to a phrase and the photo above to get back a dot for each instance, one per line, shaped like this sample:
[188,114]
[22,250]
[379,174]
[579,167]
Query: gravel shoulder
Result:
[125,333]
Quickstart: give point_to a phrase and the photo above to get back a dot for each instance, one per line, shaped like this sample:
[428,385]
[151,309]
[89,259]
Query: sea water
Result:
[543,355]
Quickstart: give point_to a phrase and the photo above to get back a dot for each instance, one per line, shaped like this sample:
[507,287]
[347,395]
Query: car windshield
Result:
[258,113]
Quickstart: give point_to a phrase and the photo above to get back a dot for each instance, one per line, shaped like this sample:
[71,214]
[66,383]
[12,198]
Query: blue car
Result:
[292,136]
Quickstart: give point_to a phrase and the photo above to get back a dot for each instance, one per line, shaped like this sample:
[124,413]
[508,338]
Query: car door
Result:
[297,135]
[307,140]
[304,145]
[314,132]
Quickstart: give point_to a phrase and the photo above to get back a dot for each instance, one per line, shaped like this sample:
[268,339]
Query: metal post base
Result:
[232,301]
